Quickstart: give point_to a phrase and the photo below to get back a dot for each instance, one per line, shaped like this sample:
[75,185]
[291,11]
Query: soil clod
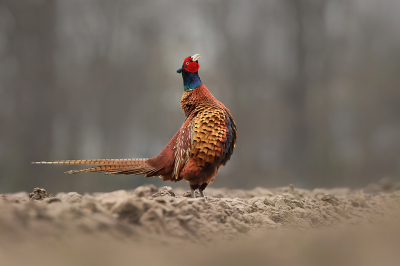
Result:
[39,194]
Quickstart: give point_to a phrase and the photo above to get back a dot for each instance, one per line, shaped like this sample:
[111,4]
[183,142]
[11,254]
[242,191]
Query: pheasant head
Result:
[190,74]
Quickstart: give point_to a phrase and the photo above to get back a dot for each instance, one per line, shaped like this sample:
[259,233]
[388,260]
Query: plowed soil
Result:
[146,226]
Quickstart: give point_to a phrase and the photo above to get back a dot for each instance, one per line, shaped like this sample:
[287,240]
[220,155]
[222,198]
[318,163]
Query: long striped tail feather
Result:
[109,166]
[94,162]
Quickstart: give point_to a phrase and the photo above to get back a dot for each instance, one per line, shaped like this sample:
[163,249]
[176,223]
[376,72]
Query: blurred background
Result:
[314,87]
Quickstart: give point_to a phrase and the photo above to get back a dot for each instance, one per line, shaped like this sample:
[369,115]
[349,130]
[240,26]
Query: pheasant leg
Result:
[203,195]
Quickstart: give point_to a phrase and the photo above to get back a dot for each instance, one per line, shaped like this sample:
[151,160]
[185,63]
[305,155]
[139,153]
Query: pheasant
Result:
[204,142]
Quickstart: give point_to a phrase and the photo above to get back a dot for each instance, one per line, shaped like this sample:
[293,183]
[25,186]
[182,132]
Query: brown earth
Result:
[146,226]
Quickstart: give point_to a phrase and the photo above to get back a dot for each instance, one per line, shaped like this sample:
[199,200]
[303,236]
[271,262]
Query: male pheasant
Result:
[204,142]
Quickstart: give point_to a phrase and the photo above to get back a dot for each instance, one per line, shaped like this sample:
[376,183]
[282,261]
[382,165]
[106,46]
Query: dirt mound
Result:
[158,216]
[165,212]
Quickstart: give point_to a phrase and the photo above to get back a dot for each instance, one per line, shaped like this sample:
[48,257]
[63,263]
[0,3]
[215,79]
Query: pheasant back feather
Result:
[210,132]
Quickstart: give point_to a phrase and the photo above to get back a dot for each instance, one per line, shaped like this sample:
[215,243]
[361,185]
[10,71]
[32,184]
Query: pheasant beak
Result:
[195,57]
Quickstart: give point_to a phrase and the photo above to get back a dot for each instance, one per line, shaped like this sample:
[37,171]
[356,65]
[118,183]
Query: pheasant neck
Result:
[191,80]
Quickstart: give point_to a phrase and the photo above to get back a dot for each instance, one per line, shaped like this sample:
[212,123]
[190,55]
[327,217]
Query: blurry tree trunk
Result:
[32,45]
[239,75]
[295,98]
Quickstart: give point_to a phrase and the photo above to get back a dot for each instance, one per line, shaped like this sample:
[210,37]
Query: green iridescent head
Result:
[190,75]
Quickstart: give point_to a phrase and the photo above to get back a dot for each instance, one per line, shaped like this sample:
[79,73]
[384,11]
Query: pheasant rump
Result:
[204,142]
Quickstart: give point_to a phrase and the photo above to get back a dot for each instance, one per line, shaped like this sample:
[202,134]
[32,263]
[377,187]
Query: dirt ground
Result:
[150,226]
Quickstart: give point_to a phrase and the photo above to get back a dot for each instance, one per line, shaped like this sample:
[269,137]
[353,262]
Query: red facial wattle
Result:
[190,65]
